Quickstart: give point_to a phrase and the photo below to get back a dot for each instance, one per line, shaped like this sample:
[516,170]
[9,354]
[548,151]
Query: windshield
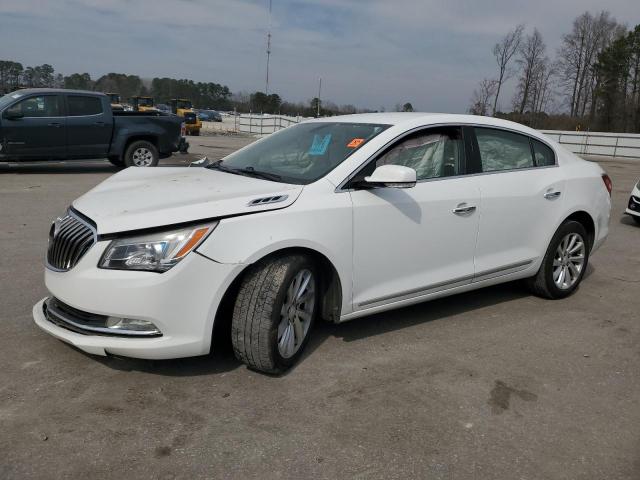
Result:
[145,102]
[114,97]
[302,153]
[184,104]
[9,98]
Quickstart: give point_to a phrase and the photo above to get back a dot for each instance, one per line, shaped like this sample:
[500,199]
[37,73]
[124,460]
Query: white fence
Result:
[263,124]
[617,145]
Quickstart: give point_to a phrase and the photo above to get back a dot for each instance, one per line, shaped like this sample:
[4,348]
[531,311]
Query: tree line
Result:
[593,81]
[203,95]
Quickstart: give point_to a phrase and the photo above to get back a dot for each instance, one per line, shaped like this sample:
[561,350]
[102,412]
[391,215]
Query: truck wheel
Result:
[274,312]
[564,264]
[196,133]
[141,154]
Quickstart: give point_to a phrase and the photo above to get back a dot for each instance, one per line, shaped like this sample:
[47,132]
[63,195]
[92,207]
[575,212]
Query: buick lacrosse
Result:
[330,219]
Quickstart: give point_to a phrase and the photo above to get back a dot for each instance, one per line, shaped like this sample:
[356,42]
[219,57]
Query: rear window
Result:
[502,150]
[544,155]
[80,105]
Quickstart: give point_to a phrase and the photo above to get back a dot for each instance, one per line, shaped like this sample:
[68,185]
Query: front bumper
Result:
[181,302]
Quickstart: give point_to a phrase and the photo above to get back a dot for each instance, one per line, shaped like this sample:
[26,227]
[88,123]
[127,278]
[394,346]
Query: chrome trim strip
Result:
[65,319]
[94,233]
[458,282]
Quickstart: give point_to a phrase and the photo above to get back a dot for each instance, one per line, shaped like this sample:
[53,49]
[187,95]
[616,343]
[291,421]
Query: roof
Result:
[399,118]
[29,91]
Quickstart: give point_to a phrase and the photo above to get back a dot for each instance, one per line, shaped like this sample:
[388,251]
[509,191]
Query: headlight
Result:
[155,252]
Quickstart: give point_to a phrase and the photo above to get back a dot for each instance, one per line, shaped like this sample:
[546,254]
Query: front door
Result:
[34,128]
[421,240]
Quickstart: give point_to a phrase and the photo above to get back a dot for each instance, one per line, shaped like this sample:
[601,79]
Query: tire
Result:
[141,153]
[263,337]
[547,283]
[196,133]
[116,161]
[636,219]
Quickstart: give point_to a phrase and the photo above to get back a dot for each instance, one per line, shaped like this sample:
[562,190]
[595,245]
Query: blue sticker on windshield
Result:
[320,144]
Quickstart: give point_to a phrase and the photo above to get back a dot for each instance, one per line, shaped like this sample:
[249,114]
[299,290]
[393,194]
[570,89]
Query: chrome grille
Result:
[69,239]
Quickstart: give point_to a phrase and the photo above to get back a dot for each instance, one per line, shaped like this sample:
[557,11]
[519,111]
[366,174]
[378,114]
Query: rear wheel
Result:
[274,313]
[564,263]
[196,133]
[141,154]
[636,219]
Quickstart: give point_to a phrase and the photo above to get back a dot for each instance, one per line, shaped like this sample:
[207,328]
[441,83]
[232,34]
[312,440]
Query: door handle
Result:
[552,195]
[464,209]
[53,124]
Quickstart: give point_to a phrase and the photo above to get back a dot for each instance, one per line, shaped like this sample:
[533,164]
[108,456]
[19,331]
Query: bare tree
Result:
[504,51]
[481,99]
[531,56]
[578,54]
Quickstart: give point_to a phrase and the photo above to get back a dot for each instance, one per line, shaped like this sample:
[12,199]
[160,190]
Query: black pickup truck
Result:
[56,124]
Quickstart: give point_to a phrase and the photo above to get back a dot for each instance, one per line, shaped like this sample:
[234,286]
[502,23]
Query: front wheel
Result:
[141,154]
[564,263]
[274,313]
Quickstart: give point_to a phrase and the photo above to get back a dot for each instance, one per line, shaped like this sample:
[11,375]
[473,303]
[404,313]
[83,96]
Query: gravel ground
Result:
[492,384]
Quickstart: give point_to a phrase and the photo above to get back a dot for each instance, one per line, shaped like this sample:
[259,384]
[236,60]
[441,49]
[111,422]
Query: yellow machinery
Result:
[184,108]
[143,104]
[116,103]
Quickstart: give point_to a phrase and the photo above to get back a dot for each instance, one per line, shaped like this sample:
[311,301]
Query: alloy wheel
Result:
[296,313]
[568,261]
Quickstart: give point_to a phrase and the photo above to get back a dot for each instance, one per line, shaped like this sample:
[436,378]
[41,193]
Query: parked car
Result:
[209,116]
[633,209]
[56,124]
[164,108]
[331,219]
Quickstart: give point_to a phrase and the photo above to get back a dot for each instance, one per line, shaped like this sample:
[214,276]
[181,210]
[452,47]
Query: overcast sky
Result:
[370,53]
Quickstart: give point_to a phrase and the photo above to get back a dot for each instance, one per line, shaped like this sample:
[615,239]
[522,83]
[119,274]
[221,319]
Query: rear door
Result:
[89,126]
[521,189]
[38,130]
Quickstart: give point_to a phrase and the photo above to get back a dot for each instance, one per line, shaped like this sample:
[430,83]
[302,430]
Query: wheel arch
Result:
[135,138]
[586,220]
[331,291]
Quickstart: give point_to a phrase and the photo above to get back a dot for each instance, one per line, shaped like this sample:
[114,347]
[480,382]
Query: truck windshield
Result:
[9,98]
[302,153]
[145,102]
[183,104]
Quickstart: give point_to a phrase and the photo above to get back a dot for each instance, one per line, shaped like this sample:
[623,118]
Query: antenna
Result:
[268,49]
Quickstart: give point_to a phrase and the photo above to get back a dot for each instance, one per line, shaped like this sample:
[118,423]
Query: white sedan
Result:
[633,209]
[330,219]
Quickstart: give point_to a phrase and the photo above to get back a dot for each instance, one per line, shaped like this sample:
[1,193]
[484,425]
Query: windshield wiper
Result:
[247,171]
[257,173]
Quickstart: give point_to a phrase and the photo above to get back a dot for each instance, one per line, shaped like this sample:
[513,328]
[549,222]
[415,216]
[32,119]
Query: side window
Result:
[502,150]
[81,105]
[432,153]
[544,155]
[34,107]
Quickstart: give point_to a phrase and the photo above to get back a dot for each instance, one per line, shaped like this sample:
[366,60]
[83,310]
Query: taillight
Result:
[183,129]
[607,182]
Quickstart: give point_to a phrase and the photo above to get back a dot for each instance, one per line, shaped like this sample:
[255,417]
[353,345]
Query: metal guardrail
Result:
[616,145]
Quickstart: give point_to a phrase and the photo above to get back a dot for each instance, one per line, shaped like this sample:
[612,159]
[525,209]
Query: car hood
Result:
[139,198]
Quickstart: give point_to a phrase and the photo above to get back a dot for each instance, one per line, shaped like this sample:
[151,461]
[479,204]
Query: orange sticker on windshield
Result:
[355,143]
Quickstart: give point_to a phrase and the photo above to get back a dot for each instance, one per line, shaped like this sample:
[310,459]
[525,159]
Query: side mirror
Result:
[392,176]
[12,115]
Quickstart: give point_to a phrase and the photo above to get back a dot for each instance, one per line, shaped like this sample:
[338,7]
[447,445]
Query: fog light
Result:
[132,324]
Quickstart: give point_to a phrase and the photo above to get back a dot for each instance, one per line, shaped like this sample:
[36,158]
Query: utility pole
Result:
[268,49]
[319,92]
